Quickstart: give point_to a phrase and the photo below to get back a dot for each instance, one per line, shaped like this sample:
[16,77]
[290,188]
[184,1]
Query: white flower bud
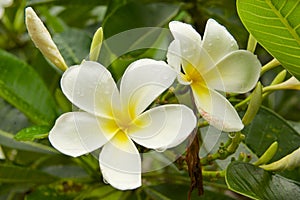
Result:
[42,39]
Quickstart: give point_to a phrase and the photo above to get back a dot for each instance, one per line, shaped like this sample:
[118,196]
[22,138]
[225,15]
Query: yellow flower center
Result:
[193,75]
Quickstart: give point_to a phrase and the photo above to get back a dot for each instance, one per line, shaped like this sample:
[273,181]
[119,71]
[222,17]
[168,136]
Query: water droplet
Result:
[80,93]
[105,181]
[161,149]
[185,50]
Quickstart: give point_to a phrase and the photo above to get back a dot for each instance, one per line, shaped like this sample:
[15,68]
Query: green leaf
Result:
[275,25]
[256,183]
[14,174]
[32,133]
[12,120]
[268,127]
[73,44]
[22,87]
[7,139]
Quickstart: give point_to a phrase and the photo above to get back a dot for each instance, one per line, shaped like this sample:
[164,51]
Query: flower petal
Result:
[174,60]
[90,87]
[142,82]
[216,109]
[192,55]
[78,133]
[174,56]
[163,127]
[189,38]
[217,41]
[120,163]
[236,72]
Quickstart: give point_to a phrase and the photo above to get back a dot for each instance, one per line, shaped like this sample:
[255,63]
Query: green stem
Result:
[213,174]
[224,151]
[242,103]
[270,65]
[251,43]
[202,124]
[87,164]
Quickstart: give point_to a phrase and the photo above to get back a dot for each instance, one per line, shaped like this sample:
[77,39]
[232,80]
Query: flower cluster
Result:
[115,118]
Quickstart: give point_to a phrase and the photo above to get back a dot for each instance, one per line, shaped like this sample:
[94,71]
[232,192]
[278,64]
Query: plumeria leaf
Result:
[30,97]
[268,127]
[14,174]
[257,183]
[275,25]
[32,133]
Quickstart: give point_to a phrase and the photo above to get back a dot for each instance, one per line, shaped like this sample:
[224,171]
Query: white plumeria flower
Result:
[210,64]
[3,4]
[114,119]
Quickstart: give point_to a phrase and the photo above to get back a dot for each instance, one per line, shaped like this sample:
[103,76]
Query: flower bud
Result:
[290,84]
[279,78]
[254,105]
[268,155]
[96,44]
[288,162]
[42,39]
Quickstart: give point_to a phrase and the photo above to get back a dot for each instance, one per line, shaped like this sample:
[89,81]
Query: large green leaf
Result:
[13,174]
[257,183]
[276,26]
[268,127]
[21,86]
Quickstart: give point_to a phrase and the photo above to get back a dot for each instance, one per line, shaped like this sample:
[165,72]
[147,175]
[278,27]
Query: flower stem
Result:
[213,174]
[270,65]
[240,104]
[251,43]
[224,150]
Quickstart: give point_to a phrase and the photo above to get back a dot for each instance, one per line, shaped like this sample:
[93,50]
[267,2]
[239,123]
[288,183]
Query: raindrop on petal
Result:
[161,149]
[105,181]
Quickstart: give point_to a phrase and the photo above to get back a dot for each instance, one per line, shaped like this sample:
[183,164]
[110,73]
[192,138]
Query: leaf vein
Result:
[284,21]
